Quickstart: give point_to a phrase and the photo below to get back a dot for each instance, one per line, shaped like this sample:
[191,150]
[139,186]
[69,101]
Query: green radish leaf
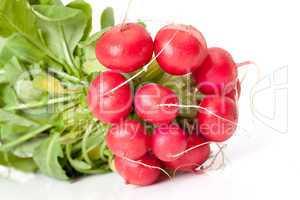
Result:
[23,164]
[79,165]
[83,167]
[2,42]
[27,136]
[46,2]
[93,140]
[26,149]
[26,91]
[54,13]
[47,157]
[107,18]
[17,46]
[87,10]
[11,132]
[41,35]
[90,62]
[9,97]
[95,153]
[91,41]
[62,29]
[16,16]
[11,71]
[92,66]
[39,115]
[11,118]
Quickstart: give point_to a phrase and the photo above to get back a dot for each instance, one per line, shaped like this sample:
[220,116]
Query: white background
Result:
[262,163]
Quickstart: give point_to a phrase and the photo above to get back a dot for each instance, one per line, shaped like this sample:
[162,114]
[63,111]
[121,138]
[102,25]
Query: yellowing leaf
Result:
[49,84]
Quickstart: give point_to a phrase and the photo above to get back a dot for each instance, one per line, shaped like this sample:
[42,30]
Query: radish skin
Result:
[142,172]
[147,100]
[109,107]
[128,138]
[125,47]
[184,53]
[217,74]
[220,126]
[168,141]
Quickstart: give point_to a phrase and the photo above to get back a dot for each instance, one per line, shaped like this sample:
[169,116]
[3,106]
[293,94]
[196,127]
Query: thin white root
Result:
[183,166]
[258,73]
[248,62]
[146,165]
[202,167]
[207,110]
[190,149]
[201,108]
[212,162]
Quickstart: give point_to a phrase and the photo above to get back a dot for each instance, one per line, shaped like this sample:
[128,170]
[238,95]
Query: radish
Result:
[168,141]
[180,49]
[106,106]
[217,118]
[217,74]
[195,155]
[125,47]
[128,138]
[148,99]
[143,171]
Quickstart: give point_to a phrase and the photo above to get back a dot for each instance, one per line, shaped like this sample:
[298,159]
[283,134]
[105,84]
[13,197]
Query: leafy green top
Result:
[46,62]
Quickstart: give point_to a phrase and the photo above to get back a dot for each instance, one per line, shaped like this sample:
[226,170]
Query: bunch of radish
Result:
[142,153]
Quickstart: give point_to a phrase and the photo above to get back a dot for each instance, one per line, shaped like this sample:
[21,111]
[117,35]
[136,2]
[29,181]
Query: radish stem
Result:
[40,104]
[25,137]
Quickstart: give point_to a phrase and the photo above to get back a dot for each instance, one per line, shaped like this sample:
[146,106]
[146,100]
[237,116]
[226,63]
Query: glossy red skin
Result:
[212,127]
[128,139]
[146,101]
[138,174]
[236,92]
[168,141]
[217,74]
[125,47]
[111,107]
[184,53]
[192,159]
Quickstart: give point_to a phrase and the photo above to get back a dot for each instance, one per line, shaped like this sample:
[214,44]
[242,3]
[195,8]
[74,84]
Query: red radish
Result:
[109,107]
[125,47]
[168,141]
[193,158]
[143,171]
[149,100]
[128,139]
[183,48]
[219,119]
[236,92]
[217,73]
